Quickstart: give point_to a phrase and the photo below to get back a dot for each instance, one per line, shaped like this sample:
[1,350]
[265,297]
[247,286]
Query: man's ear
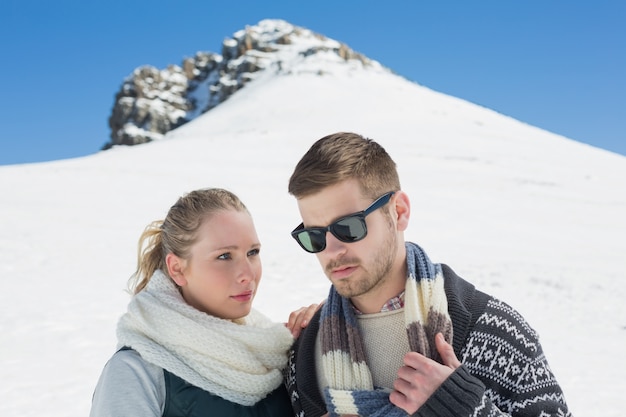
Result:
[175,268]
[403,210]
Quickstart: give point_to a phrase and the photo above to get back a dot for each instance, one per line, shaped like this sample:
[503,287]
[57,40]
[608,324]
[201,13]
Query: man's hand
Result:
[420,376]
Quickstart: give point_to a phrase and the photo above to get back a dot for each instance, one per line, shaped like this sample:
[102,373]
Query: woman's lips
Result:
[243,297]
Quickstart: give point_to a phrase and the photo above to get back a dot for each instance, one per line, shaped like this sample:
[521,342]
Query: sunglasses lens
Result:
[312,240]
[349,229]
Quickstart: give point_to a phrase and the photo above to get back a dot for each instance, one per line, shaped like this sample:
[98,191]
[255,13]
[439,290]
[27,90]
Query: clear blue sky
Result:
[559,65]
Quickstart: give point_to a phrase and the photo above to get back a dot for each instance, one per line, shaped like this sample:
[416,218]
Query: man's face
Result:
[359,268]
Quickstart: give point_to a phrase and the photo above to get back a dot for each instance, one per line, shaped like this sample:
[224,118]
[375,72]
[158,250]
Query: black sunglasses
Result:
[350,228]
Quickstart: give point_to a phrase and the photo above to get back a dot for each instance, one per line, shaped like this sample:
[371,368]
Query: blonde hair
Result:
[342,156]
[178,231]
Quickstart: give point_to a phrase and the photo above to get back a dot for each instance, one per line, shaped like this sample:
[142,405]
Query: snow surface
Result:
[528,216]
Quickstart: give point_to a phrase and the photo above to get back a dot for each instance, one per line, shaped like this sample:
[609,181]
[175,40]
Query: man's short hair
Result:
[343,156]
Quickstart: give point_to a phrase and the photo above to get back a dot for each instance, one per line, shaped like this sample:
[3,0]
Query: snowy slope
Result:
[531,217]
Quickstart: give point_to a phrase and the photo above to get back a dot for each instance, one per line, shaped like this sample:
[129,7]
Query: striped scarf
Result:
[351,390]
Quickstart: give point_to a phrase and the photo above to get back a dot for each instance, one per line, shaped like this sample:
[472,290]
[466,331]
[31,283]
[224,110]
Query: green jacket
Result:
[184,399]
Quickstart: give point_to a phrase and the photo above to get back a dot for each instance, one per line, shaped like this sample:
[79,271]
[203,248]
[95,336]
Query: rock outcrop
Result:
[153,101]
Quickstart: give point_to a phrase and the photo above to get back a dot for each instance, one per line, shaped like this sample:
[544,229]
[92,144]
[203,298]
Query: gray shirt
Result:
[129,386]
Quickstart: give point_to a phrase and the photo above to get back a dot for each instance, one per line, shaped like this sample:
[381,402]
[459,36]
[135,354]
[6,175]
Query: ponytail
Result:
[150,256]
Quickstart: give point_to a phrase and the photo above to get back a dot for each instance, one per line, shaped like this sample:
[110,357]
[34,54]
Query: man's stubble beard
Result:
[376,274]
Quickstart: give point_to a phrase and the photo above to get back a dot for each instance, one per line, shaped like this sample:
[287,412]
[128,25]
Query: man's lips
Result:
[242,297]
[342,272]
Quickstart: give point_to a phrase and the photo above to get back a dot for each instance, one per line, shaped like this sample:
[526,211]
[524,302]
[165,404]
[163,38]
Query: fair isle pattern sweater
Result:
[504,372]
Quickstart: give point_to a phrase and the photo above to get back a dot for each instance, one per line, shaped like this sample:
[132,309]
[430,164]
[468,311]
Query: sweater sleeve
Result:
[463,394]
[457,396]
[129,386]
[504,373]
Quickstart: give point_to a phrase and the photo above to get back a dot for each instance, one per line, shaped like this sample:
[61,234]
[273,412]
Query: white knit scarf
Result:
[238,362]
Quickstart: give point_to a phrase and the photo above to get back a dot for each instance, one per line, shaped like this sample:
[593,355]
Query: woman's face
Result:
[222,274]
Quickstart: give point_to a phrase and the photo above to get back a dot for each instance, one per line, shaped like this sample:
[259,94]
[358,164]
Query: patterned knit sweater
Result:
[504,371]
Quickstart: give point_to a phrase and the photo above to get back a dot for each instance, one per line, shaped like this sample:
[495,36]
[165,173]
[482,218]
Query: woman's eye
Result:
[254,252]
[224,256]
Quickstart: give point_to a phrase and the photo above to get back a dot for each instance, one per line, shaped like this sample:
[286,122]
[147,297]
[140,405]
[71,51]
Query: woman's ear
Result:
[175,268]
[403,210]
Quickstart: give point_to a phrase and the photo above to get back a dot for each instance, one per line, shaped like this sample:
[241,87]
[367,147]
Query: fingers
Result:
[300,318]
[406,394]
[308,314]
[415,361]
[414,383]
[420,376]
[295,321]
[446,351]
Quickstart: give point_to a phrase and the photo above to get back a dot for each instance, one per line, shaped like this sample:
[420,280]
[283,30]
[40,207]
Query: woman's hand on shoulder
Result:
[301,317]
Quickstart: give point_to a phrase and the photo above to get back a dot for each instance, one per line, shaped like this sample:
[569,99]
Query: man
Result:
[398,334]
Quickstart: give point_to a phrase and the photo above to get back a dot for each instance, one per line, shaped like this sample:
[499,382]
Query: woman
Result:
[190,342]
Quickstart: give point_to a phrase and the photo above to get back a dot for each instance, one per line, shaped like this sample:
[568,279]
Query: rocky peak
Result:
[153,101]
